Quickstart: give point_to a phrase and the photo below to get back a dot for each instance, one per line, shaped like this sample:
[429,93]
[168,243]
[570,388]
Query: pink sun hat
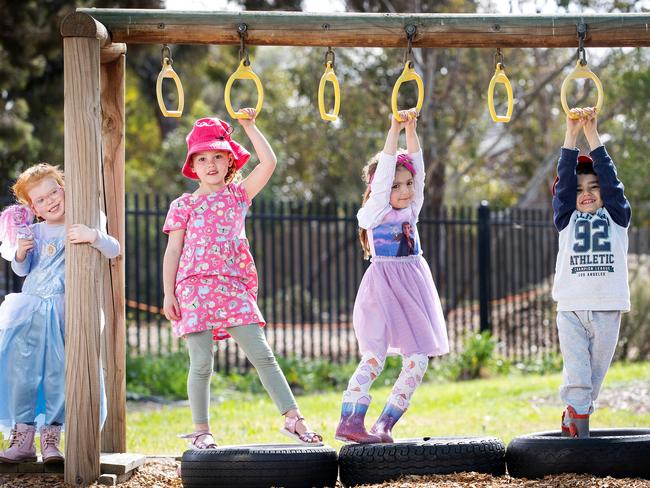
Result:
[212,134]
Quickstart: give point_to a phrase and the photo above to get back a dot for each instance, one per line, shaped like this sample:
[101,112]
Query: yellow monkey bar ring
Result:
[330,76]
[408,74]
[581,71]
[499,77]
[168,72]
[243,72]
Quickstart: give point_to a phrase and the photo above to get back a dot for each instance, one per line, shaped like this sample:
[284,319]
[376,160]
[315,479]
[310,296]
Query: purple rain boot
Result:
[21,445]
[50,438]
[351,427]
[384,425]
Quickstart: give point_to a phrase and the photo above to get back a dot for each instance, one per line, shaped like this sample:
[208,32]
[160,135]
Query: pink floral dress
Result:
[216,282]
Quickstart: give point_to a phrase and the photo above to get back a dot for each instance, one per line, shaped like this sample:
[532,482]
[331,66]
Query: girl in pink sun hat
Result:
[209,276]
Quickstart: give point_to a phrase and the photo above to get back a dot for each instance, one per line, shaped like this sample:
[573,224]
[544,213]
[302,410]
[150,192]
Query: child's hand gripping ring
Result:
[330,76]
[581,71]
[408,74]
[243,72]
[499,77]
[168,72]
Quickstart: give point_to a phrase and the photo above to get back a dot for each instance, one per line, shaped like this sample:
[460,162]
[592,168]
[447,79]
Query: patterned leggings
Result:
[410,377]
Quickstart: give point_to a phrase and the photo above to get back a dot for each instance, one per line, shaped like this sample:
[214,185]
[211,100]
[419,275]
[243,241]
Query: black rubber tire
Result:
[620,453]
[375,463]
[260,466]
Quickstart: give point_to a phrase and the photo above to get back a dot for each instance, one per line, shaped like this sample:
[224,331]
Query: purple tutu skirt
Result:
[397,309]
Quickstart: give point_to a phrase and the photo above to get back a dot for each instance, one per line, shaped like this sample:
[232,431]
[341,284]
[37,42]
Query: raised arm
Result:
[612,190]
[415,152]
[261,174]
[382,180]
[410,129]
[565,188]
[564,198]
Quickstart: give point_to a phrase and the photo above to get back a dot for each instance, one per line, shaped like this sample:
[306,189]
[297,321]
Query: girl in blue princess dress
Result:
[32,372]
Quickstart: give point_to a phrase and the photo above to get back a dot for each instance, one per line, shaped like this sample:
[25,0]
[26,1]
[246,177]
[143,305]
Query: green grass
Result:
[503,406]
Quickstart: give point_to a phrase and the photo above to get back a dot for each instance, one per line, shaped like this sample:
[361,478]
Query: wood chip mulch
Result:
[161,473]
[477,480]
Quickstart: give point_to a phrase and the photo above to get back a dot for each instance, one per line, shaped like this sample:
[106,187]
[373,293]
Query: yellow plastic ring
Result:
[168,72]
[408,74]
[499,77]
[330,76]
[243,72]
[580,72]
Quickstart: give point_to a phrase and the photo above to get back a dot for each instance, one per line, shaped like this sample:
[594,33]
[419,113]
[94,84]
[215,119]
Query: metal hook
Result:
[582,35]
[242,30]
[330,54]
[411,30]
[498,59]
[166,53]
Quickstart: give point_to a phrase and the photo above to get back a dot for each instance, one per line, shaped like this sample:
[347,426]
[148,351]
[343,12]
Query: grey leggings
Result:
[253,342]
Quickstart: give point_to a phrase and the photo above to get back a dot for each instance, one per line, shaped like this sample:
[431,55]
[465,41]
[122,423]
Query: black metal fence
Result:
[493,270]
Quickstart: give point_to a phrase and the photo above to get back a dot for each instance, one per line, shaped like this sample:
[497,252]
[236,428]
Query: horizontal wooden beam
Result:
[372,30]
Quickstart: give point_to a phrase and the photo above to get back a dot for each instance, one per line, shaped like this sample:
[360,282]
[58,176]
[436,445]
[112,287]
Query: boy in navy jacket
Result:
[592,217]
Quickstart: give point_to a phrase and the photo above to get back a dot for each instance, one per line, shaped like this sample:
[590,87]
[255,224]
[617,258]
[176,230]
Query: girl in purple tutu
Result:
[397,309]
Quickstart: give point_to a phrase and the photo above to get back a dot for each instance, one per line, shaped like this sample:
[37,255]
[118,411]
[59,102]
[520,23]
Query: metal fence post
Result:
[484,265]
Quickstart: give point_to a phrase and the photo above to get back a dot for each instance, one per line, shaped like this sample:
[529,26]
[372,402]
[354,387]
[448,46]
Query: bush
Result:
[164,376]
[476,358]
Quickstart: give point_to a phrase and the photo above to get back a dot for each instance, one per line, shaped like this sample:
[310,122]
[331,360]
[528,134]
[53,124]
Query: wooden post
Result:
[83,280]
[83,270]
[385,30]
[114,336]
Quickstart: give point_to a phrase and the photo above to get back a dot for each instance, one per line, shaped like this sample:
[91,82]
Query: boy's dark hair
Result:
[585,166]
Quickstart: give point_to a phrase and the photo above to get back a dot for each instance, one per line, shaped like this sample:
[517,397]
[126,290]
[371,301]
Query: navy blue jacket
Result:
[566,188]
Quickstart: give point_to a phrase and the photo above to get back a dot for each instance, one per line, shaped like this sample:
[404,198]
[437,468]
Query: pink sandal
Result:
[199,440]
[308,438]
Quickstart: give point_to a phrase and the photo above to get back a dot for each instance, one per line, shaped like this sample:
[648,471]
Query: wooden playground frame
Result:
[94,46]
